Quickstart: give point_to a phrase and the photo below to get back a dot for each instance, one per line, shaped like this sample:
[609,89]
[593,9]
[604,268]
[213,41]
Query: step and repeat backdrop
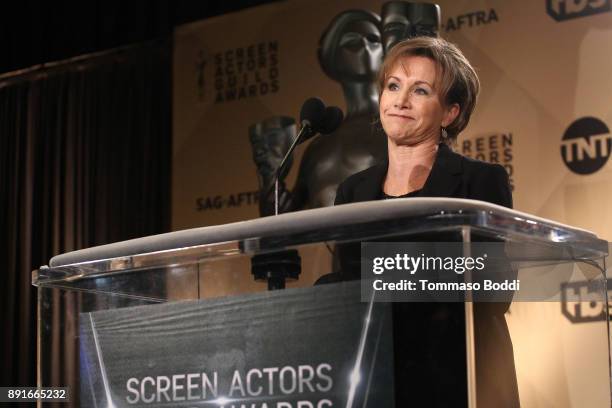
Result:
[544,113]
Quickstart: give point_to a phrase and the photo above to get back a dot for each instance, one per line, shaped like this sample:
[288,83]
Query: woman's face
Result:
[411,110]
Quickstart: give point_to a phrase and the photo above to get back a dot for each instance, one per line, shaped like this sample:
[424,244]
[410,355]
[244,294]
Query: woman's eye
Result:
[392,86]
[421,91]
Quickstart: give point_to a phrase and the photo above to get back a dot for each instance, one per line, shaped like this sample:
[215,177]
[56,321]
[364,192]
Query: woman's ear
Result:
[451,114]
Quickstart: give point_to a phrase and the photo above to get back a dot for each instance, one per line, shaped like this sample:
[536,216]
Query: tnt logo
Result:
[586,145]
[562,10]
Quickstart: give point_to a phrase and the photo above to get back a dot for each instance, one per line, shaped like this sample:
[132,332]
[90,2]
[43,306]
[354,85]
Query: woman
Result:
[428,91]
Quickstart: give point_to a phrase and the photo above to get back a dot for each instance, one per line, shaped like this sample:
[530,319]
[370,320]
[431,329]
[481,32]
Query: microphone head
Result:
[313,111]
[332,118]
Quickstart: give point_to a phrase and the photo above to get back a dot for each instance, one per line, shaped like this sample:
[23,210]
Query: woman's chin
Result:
[408,140]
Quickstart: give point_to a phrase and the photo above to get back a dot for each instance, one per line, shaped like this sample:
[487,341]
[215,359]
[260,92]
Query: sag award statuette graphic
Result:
[350,52]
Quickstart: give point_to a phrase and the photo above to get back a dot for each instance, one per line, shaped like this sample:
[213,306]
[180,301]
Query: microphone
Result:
[332,119]
[324,123]
[314,118]
[312,113]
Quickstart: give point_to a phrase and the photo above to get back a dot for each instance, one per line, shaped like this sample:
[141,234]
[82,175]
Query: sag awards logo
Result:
[246,72]
[562,10]
[238,73]
[586,145]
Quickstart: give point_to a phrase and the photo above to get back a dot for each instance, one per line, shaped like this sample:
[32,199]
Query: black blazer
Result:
[452,175]
[439,382]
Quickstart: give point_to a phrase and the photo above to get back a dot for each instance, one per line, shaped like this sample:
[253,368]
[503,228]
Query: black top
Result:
[415,193]
[452,175]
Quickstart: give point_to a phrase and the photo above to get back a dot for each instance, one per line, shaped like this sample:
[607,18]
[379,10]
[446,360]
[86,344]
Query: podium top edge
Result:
[456,211]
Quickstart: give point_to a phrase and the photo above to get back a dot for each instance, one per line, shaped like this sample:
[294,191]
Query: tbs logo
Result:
[581,302]
[586,145]
[562,10]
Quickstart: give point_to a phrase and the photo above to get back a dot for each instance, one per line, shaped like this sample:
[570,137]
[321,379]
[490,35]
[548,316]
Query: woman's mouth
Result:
[401,116]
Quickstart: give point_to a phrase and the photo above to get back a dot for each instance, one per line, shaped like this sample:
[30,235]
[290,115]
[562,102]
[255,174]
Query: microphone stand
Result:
[276,267]
[305,130]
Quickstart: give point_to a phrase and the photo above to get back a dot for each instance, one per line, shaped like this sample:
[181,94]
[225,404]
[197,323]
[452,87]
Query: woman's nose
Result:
[402,99]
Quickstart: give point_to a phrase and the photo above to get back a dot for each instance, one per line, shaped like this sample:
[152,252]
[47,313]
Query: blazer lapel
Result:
[445,177]
[370,185]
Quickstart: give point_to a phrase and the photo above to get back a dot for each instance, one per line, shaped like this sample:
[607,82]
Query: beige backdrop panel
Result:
[538,76]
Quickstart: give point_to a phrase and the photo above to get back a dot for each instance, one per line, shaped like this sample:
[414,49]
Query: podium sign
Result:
[307,348]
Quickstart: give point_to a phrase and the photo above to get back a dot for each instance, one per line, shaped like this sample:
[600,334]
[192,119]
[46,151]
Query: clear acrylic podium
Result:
[186,319]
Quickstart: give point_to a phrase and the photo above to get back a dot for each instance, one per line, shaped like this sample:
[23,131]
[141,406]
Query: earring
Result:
[444,133]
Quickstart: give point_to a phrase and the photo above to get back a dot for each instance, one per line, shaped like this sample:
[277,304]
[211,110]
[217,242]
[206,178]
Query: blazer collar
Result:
[444,179]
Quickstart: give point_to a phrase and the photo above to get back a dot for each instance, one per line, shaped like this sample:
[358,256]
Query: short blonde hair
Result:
[456,79]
